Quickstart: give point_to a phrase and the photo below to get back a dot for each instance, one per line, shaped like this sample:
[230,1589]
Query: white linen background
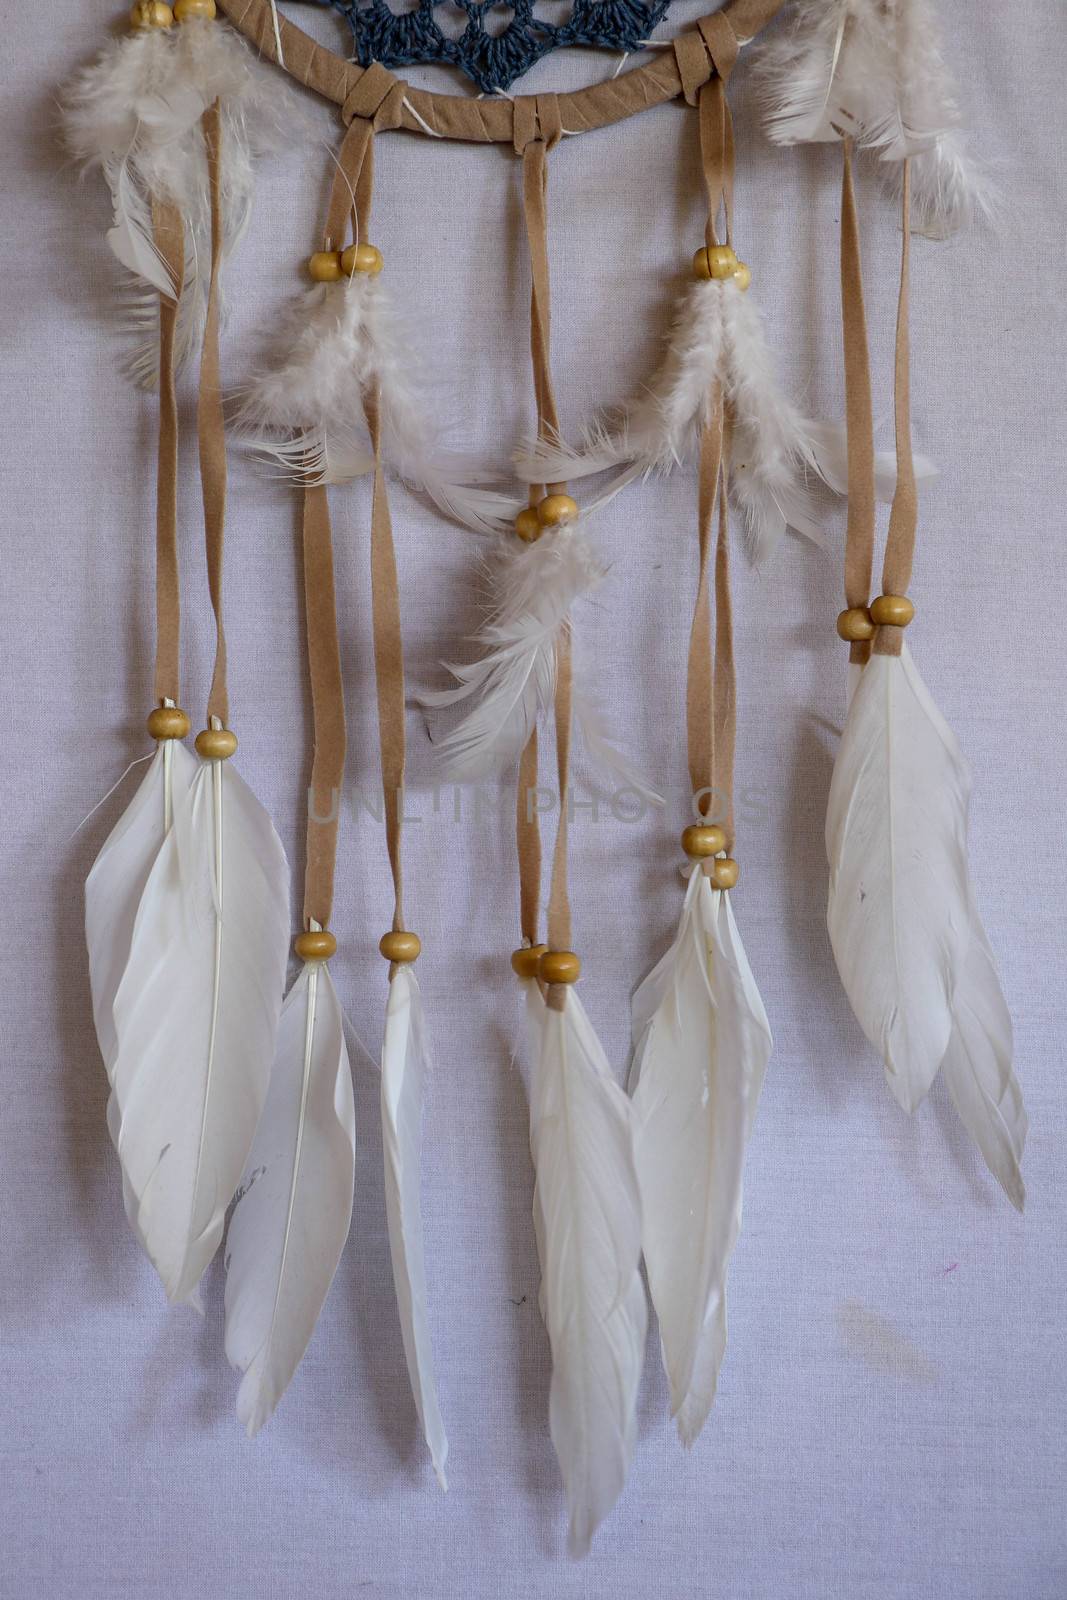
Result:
[891,1417]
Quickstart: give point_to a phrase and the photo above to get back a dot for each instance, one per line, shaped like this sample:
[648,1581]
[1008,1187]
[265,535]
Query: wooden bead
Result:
[316,945]
[559,966]
[701,269]
[722,262]
[724,873]
[325,266]
[362,258]
[400,947]
[525,962]
[187,10]
[855,625]
[703,839]
[151,14]
[216,744]
[556,509]
[892,611]
[742,276]
[528,525]
[167,722]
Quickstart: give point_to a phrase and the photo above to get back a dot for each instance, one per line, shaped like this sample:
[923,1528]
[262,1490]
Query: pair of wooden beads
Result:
[168,722]
[315,945]
[858,623]
[702,841]
[330,266]
[554,511]
[718,261]
[216,744]
[400,947]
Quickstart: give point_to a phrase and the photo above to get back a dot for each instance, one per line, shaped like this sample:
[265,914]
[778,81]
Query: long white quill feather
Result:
[196,1015]
[294,1205]
[899,910]
[977,1066]
[404,1069]
[702,1042]
[588,1220]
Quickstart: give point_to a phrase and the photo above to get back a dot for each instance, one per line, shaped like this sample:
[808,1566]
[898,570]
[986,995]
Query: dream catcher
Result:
[227,1091]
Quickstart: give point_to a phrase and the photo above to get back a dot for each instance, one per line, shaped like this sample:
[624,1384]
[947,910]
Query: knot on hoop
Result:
[536,121]
[707,51]
[377,97]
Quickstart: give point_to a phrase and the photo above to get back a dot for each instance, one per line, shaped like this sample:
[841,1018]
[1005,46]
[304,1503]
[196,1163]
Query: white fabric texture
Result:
[891,1414]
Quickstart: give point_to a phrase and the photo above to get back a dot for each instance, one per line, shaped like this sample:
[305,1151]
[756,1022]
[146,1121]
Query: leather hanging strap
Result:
[328,709]
[210,423]
[711,692]
[904,514]
[169,236]
[859,416]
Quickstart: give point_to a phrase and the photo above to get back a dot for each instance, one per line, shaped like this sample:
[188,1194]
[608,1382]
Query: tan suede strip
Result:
[169,235]
[725,680]
[904,515]
[211,424]
[699,710]
[559,909]
[859,416]
[489,121]
[328,708]
[528,842]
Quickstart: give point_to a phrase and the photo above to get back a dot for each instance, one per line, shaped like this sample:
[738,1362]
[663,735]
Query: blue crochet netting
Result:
[495,60]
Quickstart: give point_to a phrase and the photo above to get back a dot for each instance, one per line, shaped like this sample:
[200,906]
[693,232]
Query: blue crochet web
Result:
[492,60]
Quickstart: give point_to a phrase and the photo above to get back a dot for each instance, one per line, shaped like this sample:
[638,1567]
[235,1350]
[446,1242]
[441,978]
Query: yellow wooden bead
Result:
[167,722]
[701,269]
[186,10]
[703,839]
[742,276]
[151,14]
[325,266]
[724,873]
[722,262]
[525,962]
[216,744]
[400,947]
[362,258]
[315,945]
[559,966]
[892,610]
[556,509]
[855,625]
[528,525]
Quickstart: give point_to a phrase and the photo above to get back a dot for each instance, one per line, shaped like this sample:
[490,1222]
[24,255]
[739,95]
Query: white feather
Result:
[702,1042]
[304,408]
[977,1066]
[404,1067]
[876,72]
[588,1220]
[136,114]
[899,907]
[829,445]
[294,1204]
[535,589]
[196,1015]
[716,337]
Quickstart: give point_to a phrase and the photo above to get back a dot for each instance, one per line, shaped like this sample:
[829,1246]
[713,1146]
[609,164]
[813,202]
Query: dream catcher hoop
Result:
[222,1091]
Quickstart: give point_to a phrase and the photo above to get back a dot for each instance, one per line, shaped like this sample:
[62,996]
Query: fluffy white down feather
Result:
[702,1043]
[405,1064]
[587,1217]
[195,1015]
[899,909]
[304,408]
[135,114]
[877,72]
[535,588]
[716,336]
[294,1205]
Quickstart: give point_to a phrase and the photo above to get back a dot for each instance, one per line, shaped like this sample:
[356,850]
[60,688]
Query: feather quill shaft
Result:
[294,1204]
[404,1068]
[702,1043]
[588,1221]
[196,1015]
